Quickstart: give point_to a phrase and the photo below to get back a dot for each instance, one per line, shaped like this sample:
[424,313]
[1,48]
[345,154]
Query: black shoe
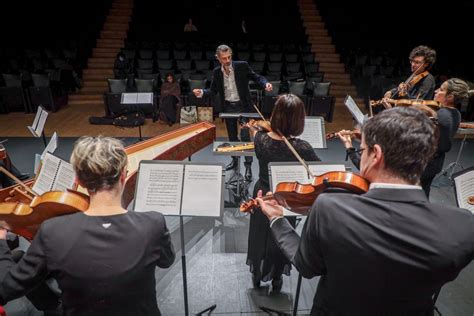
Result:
[232,165]
[277,284]
[248,173]
[255,281]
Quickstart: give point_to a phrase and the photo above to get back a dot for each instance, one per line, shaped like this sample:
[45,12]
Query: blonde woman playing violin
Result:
[420,84]
[450,95]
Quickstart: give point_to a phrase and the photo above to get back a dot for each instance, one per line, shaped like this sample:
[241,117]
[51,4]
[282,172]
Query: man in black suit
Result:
[388,251]
[231,81]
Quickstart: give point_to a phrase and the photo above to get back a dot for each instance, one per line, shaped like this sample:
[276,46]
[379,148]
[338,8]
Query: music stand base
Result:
[271,310]
[207,310]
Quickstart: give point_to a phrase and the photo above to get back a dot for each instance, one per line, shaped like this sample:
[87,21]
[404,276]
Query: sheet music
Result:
[145,98]
[464,189]
[55,175]
[65,177]
[159,188]
[129,98]
[354,109]
[38,123]
[314,132]
[296,172]
[52,145]
[202,190]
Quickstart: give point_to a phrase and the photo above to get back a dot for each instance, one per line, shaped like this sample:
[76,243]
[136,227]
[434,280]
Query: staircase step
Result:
[83,97]
[116,18]
[96,76]
[343,89]
[108,72]
[92,90]
[92,65]
[110,46]
[104,55]
[122,5]
[329,58]
[120,12]
[101,60]
[316,32]
[104,50]
[319,40]
[116,28]
[95,83]
[323,48]
[314,24]
[309,11]
[109,41]
[113,35]
[332,67]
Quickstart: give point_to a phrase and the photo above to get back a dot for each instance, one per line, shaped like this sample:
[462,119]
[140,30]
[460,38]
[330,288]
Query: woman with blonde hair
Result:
[103,259]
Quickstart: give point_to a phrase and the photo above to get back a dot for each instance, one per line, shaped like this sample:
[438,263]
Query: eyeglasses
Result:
[416,62]
[359,151]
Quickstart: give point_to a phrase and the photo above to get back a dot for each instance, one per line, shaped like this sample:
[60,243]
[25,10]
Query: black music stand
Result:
[142,102]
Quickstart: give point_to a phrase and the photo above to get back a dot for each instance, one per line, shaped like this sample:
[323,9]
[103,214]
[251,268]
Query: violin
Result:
[24,219]
[466,125]
[260,125]
[354,133]
[435,105]
[412,80]
[299,197]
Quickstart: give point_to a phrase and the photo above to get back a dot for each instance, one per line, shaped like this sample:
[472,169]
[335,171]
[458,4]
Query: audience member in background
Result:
[231,81]
[190,27]
[422,58]
[388,251]
[122,66]
[265,259]
[451,94]
[170,99]
[104,259]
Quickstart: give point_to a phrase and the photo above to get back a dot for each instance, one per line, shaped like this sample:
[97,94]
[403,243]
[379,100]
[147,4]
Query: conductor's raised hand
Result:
[268,87]
[198,92]
[270,207]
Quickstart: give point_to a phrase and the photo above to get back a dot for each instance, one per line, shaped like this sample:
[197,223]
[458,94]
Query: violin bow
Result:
[301,160]
[21,183]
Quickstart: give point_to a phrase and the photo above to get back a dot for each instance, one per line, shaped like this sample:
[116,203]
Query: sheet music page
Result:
[145,98]
[314,132]
[464,189]
[202,190]
[45,179]
[65,177]
[37,116]
[52,145]
[354,109]
[42,121]
[292,173]
[159,188]
[129,98]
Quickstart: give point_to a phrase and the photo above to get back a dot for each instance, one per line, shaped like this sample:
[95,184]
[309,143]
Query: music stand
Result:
[182,176]
[141,102]
[452,166]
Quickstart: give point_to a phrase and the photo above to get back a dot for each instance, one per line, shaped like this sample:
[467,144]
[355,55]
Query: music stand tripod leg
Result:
[456,163]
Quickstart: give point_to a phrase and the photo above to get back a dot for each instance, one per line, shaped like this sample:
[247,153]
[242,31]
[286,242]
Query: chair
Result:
[183,64]
[311,69]
[117,85]
[12,96]
[275,57]
[145,85]
[257,67]
[201,65]
[146,53]
[112,99]
[321,102]
[270,97]
[308,58]
[195,54]
[243,56]
[298,88]
[291,57]
[41,94]
[179,54]
[163,54]
[259,56]
[145,64]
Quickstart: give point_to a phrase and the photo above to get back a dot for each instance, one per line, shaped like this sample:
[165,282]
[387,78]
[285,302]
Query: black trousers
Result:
[232,128]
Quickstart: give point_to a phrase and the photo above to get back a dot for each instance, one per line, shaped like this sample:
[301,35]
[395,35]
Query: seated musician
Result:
[381,253]
[264,258]
[422,83]
[104,259]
